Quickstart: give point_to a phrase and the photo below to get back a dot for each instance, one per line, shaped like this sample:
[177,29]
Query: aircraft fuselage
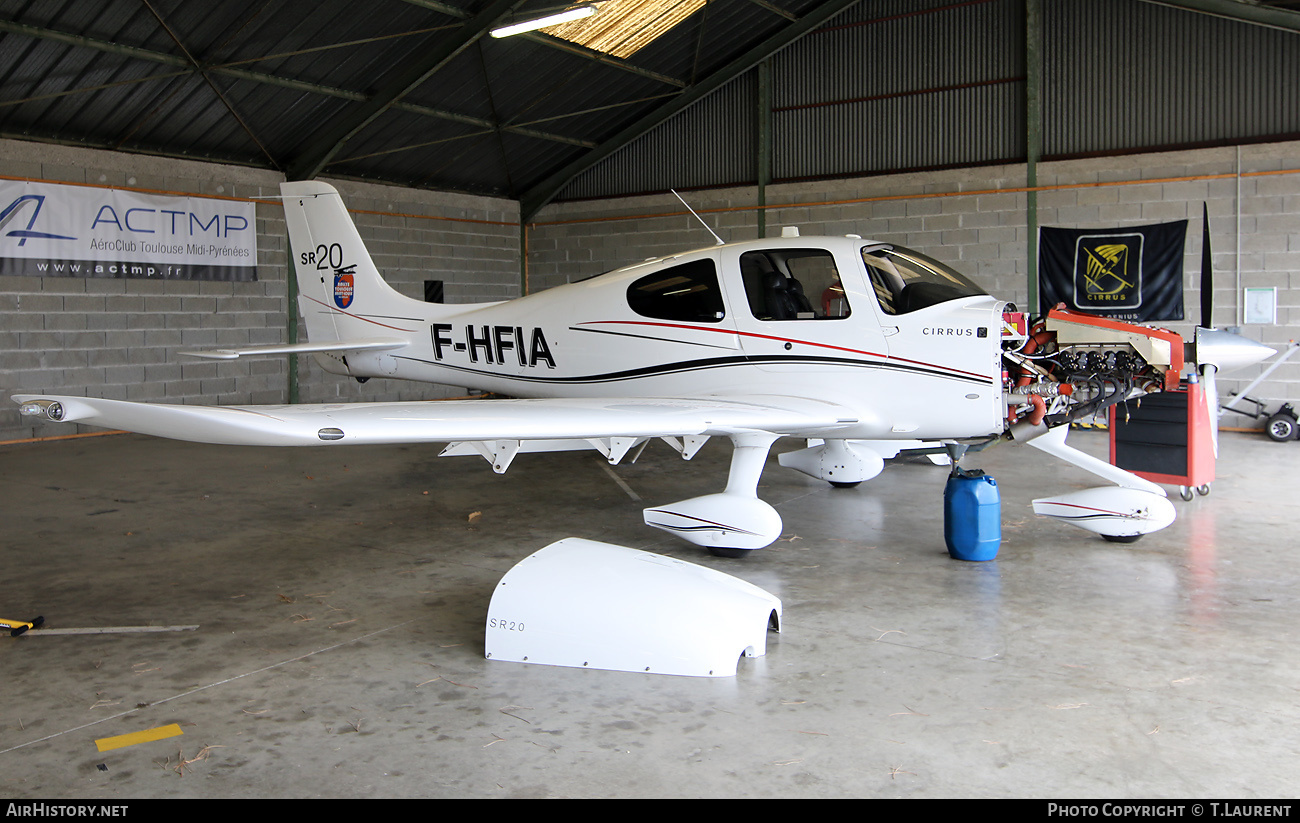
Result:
[705,323]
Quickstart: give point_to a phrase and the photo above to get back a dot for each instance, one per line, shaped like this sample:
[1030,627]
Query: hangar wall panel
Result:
[886,85]
[1120,75]
[974,219]
[710,143]
[119,338]
[903,86]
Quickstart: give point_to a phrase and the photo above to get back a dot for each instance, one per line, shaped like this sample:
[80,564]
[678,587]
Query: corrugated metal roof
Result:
[262,83]
[409,92]
[1158,76]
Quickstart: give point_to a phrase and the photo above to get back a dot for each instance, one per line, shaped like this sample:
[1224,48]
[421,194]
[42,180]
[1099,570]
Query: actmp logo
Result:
[11,214]
[1108,272]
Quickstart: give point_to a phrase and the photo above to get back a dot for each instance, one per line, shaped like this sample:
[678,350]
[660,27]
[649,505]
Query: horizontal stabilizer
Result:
[374,344]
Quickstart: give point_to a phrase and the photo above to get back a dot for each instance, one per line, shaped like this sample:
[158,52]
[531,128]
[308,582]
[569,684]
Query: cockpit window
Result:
[793,284]
[688,293]
[905,281]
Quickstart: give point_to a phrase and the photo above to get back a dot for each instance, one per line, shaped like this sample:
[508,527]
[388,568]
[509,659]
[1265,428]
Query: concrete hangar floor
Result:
[340,598]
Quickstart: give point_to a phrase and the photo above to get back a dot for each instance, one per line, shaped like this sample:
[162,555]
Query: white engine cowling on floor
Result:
[586,604]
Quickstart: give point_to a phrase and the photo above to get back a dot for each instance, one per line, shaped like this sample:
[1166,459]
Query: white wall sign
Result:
[1261,305]
[54,230]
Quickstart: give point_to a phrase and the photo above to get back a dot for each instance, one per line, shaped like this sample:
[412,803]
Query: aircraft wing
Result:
[451,421]
[376,344]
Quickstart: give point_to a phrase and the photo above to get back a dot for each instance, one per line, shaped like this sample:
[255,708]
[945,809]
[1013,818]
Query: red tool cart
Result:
[1166,437]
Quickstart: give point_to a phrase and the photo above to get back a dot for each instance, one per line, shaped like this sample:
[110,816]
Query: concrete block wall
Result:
[119,338]
[974,219]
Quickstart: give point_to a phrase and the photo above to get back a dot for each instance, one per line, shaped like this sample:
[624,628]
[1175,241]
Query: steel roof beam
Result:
[542,193]
[212,84]
[470,120]
[441,8]
[775,9]
[136,53]
[1268,16]
[329,142]
[38,33]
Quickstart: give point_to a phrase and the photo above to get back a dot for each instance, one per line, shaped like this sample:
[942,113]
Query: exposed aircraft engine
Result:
[1070,366]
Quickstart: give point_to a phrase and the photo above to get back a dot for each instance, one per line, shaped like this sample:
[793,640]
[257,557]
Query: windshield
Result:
[905,281]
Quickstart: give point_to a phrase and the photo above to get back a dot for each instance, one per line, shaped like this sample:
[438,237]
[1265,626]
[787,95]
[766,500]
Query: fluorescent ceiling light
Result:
[566,16]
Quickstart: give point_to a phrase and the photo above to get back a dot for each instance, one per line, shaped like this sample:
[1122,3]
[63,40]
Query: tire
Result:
[721,552]
[1280,428]
[844,485]
[1122,538]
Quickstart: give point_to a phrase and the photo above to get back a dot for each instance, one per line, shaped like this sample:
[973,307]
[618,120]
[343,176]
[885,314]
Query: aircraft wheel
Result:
[1281,428]
[844,485]
[718,551]
[1185,492]
[1122,538]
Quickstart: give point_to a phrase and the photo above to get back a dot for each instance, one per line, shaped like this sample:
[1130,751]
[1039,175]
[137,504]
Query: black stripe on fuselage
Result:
[706,364]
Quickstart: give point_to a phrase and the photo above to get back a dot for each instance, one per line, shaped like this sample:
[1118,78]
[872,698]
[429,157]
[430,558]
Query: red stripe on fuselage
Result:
[356,316]
[724,330]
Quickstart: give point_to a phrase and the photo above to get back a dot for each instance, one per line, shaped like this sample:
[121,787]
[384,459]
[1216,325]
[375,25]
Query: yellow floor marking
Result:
[160,733]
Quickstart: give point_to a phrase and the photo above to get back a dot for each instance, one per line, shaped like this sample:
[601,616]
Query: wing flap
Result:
[448,421]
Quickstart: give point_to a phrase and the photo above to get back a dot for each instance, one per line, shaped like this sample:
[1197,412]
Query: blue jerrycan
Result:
[972,515]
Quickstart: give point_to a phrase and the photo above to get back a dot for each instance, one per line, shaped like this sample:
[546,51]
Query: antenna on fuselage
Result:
[697,217]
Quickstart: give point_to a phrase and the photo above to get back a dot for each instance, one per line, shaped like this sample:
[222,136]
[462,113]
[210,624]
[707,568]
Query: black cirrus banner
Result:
[1133,274]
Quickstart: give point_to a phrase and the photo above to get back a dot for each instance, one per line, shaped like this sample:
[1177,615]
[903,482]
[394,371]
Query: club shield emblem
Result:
[343,290]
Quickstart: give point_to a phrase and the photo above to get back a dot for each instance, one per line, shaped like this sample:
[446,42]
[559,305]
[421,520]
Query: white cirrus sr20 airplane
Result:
[862,348]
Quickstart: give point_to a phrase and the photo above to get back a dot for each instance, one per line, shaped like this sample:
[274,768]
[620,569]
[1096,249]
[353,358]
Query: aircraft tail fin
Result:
[340,291]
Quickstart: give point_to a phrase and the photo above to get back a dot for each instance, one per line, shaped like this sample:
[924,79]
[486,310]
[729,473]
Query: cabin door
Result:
[802,309]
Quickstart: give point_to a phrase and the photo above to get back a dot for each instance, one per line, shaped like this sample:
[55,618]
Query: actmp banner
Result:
[1133,274]
[53,230]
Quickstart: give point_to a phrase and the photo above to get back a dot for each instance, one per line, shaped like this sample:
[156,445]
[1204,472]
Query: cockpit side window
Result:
[793,284]
[689,293]
[905,281]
